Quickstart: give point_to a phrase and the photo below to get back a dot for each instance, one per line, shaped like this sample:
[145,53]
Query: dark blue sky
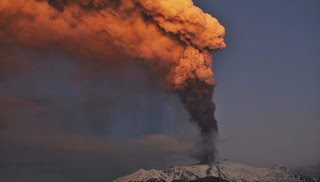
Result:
[268,80]
[65,121]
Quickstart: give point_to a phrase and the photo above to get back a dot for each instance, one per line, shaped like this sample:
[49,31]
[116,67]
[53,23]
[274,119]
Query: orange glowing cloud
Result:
[175,35]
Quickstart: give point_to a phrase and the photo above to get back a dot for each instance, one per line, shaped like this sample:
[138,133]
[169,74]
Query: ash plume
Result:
[197,99]
[173,38]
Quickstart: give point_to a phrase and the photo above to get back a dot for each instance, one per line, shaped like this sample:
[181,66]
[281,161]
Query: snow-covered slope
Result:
[225,170]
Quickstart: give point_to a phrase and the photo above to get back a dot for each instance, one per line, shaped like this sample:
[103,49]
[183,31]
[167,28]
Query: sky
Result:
[268,87]
[268,79]
[62,120]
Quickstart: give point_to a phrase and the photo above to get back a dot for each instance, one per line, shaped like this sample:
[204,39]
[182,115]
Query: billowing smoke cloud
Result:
[172,37]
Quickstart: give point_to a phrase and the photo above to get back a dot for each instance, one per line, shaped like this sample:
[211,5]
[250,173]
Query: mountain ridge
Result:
[222,171]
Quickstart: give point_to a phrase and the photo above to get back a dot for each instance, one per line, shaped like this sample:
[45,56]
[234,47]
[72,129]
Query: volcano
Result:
[222,171]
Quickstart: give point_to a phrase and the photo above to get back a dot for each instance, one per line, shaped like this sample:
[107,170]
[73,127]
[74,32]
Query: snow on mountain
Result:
[221,171]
